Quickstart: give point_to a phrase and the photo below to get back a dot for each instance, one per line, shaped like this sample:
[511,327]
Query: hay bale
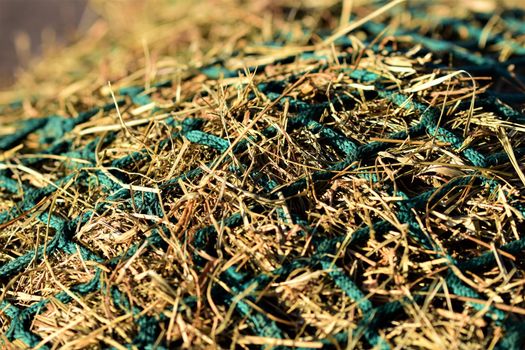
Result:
[267,174]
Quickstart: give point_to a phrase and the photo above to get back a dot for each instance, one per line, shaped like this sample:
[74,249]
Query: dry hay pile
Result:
[269,174]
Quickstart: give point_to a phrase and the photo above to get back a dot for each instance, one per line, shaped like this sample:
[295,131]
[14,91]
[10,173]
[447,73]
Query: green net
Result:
[277,192]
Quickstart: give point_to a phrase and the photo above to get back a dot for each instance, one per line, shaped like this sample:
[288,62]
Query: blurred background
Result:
[113,38]
[26,26]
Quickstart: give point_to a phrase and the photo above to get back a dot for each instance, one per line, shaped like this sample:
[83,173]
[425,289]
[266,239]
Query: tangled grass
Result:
[268,174]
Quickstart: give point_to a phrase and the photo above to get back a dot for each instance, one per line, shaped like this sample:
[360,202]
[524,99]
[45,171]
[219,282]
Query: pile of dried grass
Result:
[268,174]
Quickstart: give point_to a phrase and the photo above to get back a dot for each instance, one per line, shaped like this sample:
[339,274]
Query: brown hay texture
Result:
[269,174]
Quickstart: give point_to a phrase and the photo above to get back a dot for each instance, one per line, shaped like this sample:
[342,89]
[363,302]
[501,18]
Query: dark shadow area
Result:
[31,21]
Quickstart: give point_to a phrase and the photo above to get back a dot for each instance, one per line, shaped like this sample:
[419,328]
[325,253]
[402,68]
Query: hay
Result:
[268,174]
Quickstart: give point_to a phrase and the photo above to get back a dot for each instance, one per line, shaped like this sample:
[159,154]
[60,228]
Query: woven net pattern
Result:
[229,201]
